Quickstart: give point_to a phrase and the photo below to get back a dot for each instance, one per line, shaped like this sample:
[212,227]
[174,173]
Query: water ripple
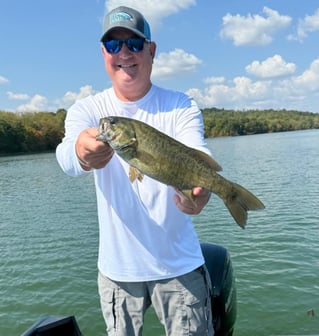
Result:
[49,238]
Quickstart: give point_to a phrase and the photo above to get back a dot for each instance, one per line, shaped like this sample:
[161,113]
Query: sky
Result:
[231,54]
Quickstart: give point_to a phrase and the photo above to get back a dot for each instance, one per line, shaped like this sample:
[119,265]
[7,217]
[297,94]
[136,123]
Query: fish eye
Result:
[112,121]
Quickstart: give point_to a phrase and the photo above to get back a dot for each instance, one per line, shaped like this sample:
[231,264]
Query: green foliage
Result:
[30,132]
[43,131]
[220,122]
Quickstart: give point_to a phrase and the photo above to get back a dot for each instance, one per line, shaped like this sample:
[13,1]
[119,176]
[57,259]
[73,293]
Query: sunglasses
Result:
[134,44]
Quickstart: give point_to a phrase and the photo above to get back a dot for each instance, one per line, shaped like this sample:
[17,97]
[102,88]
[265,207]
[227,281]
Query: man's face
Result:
[129,71]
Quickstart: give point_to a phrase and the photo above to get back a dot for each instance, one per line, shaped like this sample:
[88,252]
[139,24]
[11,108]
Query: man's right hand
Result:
[90,152]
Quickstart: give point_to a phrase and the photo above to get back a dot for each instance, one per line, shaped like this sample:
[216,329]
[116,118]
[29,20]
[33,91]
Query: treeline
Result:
[220,122]
[43,131]
[30,132]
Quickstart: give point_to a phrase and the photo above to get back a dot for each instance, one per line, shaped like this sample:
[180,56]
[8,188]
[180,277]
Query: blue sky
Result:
[237,54]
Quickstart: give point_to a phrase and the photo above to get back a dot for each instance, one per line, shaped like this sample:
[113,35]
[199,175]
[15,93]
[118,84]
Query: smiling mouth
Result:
[126,66]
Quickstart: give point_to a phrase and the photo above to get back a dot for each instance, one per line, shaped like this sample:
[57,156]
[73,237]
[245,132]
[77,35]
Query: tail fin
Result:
[240,202]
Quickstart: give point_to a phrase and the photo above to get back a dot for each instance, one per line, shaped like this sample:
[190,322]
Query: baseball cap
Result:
[128,18]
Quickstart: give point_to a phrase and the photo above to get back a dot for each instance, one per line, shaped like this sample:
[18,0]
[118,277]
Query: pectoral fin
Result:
[135,174]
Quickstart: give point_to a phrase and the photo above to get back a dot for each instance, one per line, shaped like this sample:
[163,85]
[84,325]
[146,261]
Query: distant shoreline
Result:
[41,132]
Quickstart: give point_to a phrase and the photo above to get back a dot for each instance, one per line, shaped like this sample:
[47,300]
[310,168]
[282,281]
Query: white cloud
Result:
[309,79]
[309,24]
[214,80]
[36,103]
[235,92]
[70,97]
[152,12]
[3,80]
[272,67]
[17,96]
[294,92]
[211,96]
[246,88]
[253,29]
[238,93]
[174,63]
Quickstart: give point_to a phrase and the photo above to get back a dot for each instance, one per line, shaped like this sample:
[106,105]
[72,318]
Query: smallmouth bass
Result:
[157,155]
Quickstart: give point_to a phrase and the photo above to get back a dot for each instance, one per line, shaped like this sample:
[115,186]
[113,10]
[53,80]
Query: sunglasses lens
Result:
[113,46]
[133,44]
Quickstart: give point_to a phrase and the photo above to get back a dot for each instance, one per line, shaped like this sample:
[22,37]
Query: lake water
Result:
[49,238]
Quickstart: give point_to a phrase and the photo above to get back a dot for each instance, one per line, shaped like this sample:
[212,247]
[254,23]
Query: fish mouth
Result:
[113,135]
[106,133]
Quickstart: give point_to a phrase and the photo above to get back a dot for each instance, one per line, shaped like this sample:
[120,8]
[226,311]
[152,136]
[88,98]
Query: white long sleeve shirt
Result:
[143,235]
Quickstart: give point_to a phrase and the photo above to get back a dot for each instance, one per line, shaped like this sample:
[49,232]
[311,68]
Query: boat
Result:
[224,295]
[54,326]
[224,299]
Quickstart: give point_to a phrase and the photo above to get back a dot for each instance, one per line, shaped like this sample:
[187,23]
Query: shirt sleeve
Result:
[77,119]
[190,126]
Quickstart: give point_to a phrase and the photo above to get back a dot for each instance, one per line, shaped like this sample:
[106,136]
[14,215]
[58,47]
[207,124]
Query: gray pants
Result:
[182,304]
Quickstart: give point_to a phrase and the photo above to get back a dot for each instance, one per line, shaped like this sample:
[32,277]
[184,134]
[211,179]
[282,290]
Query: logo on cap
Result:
[121,16]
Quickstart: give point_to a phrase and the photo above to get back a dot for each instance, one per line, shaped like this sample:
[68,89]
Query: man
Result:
[148,251]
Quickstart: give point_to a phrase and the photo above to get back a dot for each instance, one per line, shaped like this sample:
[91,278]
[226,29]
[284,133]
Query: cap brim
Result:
[135,31]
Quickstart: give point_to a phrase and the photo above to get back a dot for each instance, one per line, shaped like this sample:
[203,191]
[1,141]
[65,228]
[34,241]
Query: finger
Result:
[184,205]
[199,191]
[93,132]
[100,158]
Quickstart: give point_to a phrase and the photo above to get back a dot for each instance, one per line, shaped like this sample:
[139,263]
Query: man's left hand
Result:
[201,197]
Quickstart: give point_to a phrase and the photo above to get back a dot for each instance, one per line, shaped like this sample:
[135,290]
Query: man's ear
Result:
[153,49]
[103,50]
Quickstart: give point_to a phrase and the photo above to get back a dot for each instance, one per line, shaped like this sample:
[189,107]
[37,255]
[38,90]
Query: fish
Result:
[151,152]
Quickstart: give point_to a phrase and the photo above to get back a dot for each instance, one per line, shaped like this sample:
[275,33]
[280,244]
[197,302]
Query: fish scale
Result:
[159,156]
